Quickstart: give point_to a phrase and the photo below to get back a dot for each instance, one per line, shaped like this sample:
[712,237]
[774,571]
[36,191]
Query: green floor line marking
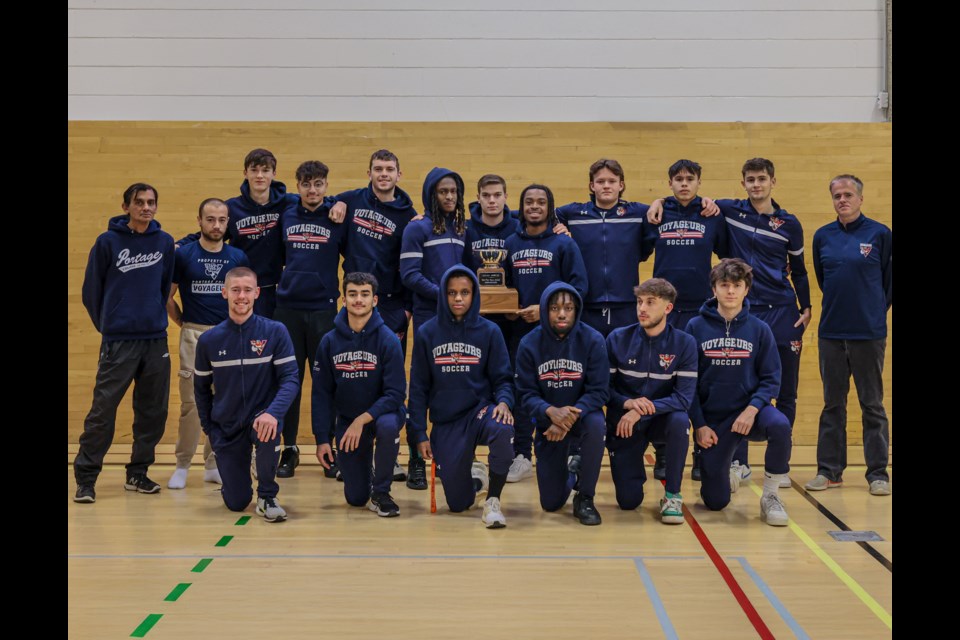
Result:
[146,625]
[202,565]
[242,521]
[177,592]
[224,541]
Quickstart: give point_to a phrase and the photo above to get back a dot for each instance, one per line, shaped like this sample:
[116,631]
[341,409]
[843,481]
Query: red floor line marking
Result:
[724,570]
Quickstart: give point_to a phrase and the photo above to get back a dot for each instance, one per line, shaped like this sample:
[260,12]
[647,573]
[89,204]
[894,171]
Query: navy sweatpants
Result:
[355,466]
[454,444]
[524,425]
[626,454]
[552,476]
[769,425]
[233,461]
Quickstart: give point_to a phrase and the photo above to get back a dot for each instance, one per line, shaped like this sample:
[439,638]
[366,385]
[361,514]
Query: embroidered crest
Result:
[257,346]
[667,359]
[621,211]
[865,249]
[775,223]
[796,345]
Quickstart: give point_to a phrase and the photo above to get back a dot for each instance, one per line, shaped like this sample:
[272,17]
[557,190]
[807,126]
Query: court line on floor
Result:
[654,596]
[844,577]
[357,556]
[771,596]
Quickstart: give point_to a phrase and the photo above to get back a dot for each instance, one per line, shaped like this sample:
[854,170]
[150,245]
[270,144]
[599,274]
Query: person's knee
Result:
[629,500]
[356,498]
[714,500]
[388,427]
[237,501]
[552,502]
[459,504]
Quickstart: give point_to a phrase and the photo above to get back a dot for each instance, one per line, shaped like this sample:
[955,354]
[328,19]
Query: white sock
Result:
[212,475]
[771,482]
[178,480]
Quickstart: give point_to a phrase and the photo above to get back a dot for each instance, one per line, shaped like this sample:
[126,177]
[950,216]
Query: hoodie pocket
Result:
[723,397]
[131,314]
[300,287]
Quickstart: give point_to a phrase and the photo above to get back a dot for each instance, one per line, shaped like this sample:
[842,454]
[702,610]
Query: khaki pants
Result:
[188,436]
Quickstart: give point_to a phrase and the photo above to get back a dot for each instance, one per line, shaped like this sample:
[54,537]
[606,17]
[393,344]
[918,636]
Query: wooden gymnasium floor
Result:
[179,565]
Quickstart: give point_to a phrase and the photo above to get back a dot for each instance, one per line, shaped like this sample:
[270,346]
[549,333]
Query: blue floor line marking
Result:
[768,592]
[664,619]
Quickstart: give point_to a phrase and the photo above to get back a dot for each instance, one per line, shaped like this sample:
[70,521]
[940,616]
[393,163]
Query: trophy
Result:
[495,296]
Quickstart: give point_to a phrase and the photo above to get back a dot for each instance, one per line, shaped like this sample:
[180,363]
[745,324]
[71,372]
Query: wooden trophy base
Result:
[498,300]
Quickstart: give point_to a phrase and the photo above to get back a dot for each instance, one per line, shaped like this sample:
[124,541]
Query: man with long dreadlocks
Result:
[536,257]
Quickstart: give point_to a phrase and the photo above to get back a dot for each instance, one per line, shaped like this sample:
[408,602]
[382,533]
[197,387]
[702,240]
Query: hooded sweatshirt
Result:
[534,261]
[424,256]
[611,243]
[127,281]
[311,246]
[457,365]
[356,372]
[662,368]
[374,233]
[559,372]
[255,228]
[738,364]
[482,236]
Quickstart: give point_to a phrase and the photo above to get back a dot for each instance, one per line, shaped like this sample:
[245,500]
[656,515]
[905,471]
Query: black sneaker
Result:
[695,470]
[660,463]
[417,474]
[289,460]
[383,505]
[85,493]
[334,470]
[141,484]
[584,511]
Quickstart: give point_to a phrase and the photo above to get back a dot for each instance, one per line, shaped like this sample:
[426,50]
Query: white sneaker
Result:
[271,510]
[492,516]
[520,468]
[785,482]
[735,476]
[178,480]
[212,475]
[253,464]
[772,511]
[479,471]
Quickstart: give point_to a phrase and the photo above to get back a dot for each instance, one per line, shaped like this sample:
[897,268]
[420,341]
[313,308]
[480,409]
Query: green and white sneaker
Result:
[671,508]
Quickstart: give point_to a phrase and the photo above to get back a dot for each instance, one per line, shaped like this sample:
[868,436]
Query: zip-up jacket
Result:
[482,236]
[854,268]
[662,368]
[684,242]
[127,281]
[773,246]
[312,245]
[457,365]
[533,262]
[611,243]
[253,369]
[356,372]
[559,372]
[199,276]
[424,256]
[738,364]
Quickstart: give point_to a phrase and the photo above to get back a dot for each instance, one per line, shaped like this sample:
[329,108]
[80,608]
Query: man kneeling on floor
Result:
[358,390]
[461,373]
[245,376]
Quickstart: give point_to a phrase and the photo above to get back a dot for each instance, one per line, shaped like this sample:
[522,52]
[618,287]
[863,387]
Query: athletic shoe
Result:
[879,488]
[785,482]
[398,473]
[772,511]
[695,468]
[585,511]
[745,471]
[735,476]
[671,508]
[141,484]
[178,480]
[520,468]
[479,471]
[289,460]
[417,474]
[270,510]
[212,475]
[660,463]
[85,493]
[573,464]
[821,482]
[334,470]
[492,516]
[383,505]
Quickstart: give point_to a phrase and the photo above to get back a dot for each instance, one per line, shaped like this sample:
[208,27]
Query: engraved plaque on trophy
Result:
[495,296]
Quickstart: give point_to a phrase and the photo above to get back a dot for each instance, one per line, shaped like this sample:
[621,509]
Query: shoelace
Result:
[673,504]
[774,503]
[494,505]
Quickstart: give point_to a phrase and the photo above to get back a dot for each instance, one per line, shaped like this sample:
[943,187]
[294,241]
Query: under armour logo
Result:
[631,361]
[222,352]
[743,215]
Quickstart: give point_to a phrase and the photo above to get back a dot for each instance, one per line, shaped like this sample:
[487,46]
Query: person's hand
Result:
[744,422]
[266,427]
[563,416]
[706,437]
[561,228]
[501,413]
[425,451]
[531,313]
[626,424]
[643,406]
[554,433]
[804,318]
[710,208]
[338,212]
[324,453]
[655,212]
[351,437]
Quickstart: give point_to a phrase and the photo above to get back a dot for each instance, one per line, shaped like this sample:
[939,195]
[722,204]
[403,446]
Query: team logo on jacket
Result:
[257,225]
[125,262]
[530,258]
[666,359]
[355,364]
[560,372]
[212,269]
[621,211]
[865,249]
[726,351]
[775,223]
[257,346]
[454,357]
[374,222]
[796,345]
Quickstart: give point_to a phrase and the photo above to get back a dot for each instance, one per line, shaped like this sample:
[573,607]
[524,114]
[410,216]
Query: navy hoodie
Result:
[662,369]
[424,257]
[457,365]
[555,372]
[254,371]
[482,236]
[684,242]
[355,373]
[374,233]
[611,243]
[312,245]
[738,364]
[127,282]
[773,246]
[533,262]
[854,267]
